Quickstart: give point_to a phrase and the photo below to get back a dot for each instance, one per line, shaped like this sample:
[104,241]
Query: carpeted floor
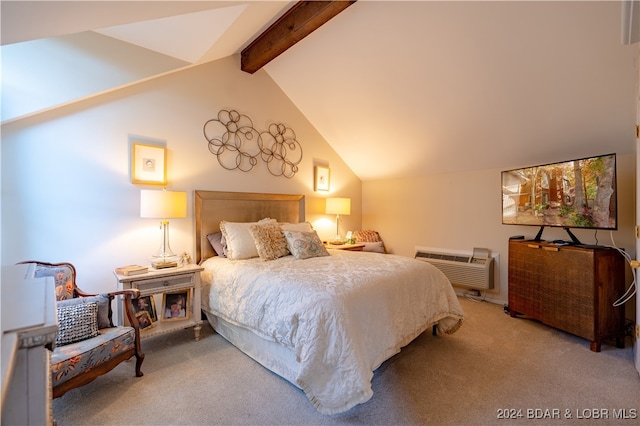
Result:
[494,366]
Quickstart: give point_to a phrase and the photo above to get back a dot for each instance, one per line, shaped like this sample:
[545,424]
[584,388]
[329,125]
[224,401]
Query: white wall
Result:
[40,73]
[66,189]
[461,211]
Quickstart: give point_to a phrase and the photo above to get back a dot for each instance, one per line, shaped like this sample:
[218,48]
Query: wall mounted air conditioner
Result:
[473,270]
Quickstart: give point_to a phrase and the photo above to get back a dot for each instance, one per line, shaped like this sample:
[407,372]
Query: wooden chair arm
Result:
[127,299]
[132,292]
[129,295]
[81,293]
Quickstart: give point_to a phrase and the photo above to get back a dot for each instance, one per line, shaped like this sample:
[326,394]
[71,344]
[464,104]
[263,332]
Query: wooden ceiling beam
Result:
[298,22]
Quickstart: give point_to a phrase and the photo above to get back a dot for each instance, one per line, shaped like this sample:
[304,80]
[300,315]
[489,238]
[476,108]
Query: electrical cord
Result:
[633,287]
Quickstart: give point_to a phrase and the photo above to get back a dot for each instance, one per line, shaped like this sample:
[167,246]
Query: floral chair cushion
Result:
[72,360]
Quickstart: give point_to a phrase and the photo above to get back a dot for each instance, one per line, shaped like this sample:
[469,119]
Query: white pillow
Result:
[377,247]
[240,244]
[297,227]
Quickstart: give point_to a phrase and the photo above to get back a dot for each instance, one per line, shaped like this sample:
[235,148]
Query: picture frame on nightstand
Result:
[176,306]
[144,320]
[147,304]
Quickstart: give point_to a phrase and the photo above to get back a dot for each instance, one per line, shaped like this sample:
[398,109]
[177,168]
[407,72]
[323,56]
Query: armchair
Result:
[87,344]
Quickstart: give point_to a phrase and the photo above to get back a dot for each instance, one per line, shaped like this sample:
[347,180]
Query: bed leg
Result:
[434,329]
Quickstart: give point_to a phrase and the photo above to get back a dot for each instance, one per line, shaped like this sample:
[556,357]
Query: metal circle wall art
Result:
[241,145]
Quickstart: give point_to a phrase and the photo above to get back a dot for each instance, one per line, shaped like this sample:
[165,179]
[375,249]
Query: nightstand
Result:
[161,283]
[349,247]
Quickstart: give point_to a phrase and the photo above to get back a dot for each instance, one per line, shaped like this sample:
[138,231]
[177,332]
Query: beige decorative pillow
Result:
[269,240]
[239,241]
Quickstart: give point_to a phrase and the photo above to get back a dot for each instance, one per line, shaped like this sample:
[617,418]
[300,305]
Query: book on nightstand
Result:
[132,270]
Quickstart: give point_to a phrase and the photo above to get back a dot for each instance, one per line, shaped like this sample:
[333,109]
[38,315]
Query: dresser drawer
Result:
[159,285]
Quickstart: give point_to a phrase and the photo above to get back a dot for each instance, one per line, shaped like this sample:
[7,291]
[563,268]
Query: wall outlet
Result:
[637,331]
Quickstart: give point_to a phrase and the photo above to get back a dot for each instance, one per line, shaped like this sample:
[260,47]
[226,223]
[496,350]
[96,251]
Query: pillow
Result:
[269,240]
[367,236]
[371,239]
[297,227]
[377,247]
[240,244]
[77,322]
[216,242]
[304,245]
[104,305]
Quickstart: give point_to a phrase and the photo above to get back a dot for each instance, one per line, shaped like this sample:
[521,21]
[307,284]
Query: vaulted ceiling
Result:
[397,88]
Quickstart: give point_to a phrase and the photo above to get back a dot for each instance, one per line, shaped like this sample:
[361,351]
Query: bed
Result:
[325,322]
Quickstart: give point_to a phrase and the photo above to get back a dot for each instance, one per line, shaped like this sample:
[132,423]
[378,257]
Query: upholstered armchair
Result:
[87,344]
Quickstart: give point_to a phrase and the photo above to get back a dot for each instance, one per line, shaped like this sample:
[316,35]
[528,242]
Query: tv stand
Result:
[571,288]
[572,236]
[539,234]
[574,239]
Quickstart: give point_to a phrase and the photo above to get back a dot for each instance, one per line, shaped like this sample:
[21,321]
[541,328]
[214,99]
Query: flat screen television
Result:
[578,193]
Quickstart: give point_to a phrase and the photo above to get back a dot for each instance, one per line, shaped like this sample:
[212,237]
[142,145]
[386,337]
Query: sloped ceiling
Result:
[405,88]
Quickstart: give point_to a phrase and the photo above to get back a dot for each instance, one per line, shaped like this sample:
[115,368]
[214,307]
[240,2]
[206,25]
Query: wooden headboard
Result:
[211,207]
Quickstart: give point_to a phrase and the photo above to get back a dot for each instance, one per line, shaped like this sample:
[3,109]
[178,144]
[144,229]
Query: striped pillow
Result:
[367,236]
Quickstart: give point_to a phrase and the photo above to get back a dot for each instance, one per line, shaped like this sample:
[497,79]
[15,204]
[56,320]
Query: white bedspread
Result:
[342,315]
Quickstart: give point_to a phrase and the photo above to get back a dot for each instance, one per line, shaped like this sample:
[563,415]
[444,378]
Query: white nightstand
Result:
[159,283]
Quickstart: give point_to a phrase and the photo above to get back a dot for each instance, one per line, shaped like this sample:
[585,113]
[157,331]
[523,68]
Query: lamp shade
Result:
[338,206]
[163,204]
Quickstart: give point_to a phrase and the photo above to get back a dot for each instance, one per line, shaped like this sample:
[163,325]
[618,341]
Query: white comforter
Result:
[342,315]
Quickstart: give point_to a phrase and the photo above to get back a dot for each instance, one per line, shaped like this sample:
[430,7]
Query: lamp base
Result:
[163,262]
[337,240]
[164,265]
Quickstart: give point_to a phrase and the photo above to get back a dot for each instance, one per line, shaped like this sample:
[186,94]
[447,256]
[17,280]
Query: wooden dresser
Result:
[571,288]
[29,324]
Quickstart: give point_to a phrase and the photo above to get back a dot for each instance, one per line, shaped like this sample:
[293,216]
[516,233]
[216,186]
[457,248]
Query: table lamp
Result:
[163,205]
[338,206]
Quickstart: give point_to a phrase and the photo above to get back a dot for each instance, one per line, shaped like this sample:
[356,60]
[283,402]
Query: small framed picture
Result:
[148,164]
[175,306]
[144,320]
[145,304]
[321,178]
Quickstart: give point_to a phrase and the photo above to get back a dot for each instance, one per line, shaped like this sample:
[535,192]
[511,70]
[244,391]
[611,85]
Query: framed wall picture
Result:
[148,164]
[321,178]
[145,304]
[175,306]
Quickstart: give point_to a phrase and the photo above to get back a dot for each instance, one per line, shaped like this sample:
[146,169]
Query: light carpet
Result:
[494,366]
